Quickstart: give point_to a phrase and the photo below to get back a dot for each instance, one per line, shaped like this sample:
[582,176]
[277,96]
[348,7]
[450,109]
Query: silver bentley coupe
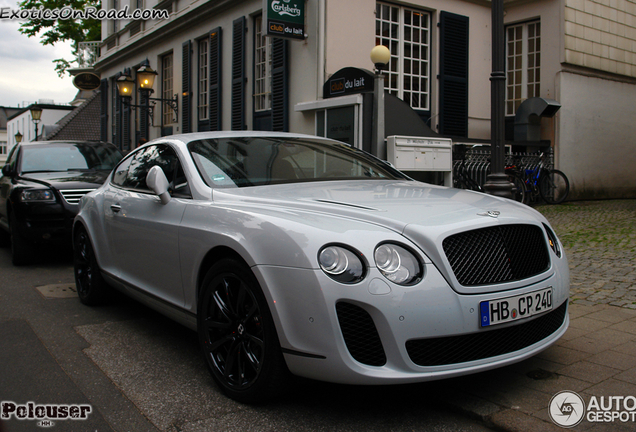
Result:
[297,255]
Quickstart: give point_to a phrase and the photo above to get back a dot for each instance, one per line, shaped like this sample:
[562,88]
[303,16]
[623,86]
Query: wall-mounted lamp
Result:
[18,138]
[146,78]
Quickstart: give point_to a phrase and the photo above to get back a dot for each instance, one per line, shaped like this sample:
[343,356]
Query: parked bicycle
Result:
[551,185]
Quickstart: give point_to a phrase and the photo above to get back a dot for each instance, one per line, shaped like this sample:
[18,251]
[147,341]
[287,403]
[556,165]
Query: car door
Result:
[145,233]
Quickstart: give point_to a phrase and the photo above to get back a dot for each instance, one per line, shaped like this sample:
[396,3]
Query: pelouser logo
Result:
[566,409]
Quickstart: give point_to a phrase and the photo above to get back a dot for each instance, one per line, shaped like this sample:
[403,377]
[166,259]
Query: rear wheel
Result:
[554,187]
[519,191]
[91,286]
[237,334]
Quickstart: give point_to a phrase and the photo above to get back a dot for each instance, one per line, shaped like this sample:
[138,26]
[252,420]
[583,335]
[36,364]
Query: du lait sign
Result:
[285,18]
[347,81]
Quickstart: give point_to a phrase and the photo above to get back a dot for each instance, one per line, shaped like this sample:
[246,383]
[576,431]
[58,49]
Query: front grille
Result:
[73,196]
[360,335]
[497,255]
[486,344]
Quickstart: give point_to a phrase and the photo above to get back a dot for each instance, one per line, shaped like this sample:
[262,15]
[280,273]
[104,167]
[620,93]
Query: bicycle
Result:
[551,185]
[515,177]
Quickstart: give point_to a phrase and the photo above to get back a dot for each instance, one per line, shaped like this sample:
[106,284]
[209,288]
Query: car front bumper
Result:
[376,332]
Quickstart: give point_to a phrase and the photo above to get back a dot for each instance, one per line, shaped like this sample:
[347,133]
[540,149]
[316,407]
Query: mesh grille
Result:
[360,334]
[477,346]
[497,255]
[73,196]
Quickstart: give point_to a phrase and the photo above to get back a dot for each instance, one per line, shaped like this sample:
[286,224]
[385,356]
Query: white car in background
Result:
[293,253]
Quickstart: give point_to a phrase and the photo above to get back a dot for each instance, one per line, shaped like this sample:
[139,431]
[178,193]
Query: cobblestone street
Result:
[600,243]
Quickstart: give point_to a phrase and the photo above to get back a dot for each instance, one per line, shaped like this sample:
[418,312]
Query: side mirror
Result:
[158,183]
[6,171]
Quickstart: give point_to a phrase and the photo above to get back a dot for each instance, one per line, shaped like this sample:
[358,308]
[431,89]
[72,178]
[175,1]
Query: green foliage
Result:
[54,31]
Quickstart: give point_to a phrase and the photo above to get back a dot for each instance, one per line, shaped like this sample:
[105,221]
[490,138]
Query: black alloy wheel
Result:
[91,286]
[237,334]
[21,250]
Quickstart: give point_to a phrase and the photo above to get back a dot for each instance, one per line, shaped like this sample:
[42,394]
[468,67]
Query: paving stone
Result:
[613,359]
[590,372]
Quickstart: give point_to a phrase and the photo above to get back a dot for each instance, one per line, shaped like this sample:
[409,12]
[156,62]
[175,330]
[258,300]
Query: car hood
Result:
[69,179]
[393,204]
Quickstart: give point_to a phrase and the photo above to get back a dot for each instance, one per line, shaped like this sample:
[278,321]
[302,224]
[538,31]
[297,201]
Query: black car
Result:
[40,189]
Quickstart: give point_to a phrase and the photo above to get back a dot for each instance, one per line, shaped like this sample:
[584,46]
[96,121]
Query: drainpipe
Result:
[321,48]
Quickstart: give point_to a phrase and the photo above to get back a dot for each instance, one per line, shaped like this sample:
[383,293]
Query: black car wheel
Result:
[237,334]
[91,286]
[21,250]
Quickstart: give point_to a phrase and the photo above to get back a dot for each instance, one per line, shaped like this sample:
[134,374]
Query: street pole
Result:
[497,182]
[377,143]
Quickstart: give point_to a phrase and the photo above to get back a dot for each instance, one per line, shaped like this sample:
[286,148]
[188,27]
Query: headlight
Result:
[37,195]
[341,264]
[397,264]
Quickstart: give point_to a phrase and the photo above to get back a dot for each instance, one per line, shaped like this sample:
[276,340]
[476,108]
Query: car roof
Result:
[185,138]
[34,143]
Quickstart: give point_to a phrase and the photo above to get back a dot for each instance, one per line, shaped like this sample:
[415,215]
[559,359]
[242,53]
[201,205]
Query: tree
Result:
[62,30]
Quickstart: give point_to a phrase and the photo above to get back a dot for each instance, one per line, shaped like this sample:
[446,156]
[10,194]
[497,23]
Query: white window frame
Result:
[203,100]
[523,64]
[400,76]
[262,68]
[167,86]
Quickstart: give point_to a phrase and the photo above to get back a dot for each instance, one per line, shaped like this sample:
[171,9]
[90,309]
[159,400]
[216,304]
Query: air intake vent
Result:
[360,335]
[491,343]
[73,196]
[497,255]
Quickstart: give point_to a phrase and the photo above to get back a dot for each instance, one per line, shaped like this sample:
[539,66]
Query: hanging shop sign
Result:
[346,81]
[285,18]
[86,81]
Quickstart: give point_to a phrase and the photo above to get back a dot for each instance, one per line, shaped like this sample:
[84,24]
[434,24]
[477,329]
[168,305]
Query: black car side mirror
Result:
[6,170]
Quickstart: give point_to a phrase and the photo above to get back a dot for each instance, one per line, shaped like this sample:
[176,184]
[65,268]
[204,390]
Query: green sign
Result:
[284,18]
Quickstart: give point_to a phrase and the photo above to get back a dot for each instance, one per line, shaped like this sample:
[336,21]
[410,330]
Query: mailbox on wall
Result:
[422,154]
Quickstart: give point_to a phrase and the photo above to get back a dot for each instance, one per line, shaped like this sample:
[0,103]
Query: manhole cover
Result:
[58,291]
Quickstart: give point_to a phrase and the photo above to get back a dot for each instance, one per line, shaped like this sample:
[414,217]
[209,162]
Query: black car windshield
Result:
[254,161]
[56,157]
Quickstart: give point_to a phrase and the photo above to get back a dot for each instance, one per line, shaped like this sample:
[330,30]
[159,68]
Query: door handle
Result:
[115,208]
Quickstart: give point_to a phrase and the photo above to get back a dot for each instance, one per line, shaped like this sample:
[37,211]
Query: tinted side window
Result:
[121,172]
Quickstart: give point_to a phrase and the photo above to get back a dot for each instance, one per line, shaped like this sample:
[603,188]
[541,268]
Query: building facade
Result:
[214,57]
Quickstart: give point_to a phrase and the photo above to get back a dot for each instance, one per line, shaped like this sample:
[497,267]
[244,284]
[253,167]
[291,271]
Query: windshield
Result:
[68,157]
[253,161]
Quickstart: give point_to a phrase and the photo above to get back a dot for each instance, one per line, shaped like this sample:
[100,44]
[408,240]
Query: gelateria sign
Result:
[285,18]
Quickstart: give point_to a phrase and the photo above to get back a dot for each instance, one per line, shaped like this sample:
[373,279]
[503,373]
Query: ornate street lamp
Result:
[380,56]
[36,115]
[18,138]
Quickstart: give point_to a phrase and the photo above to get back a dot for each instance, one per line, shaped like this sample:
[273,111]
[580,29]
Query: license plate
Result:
[509,309]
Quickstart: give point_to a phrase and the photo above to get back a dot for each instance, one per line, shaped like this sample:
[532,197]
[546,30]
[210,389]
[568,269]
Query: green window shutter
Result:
[214,80]
[280,85]
[103,116]
[186,87]
[238,74]
[453,79]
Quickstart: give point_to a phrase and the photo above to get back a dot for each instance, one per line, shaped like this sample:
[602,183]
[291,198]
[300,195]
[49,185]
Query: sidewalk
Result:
[597,356]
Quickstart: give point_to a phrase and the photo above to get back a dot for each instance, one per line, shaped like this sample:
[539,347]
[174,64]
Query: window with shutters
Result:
[262,68]
[167,88]
[523,64]
[203,79]
[406,32]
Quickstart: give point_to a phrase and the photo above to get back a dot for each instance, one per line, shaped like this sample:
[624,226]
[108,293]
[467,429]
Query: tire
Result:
[519,191]
[237,335]
[554,187]
[92,289]
[21,250]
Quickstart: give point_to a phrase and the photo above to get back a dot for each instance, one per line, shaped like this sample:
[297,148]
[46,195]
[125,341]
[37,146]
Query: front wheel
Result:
[554,187]
[21,250]
[237,334]
[519,191]
[91,286]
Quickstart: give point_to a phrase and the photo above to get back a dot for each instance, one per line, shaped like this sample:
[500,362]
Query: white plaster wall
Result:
[597,136]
